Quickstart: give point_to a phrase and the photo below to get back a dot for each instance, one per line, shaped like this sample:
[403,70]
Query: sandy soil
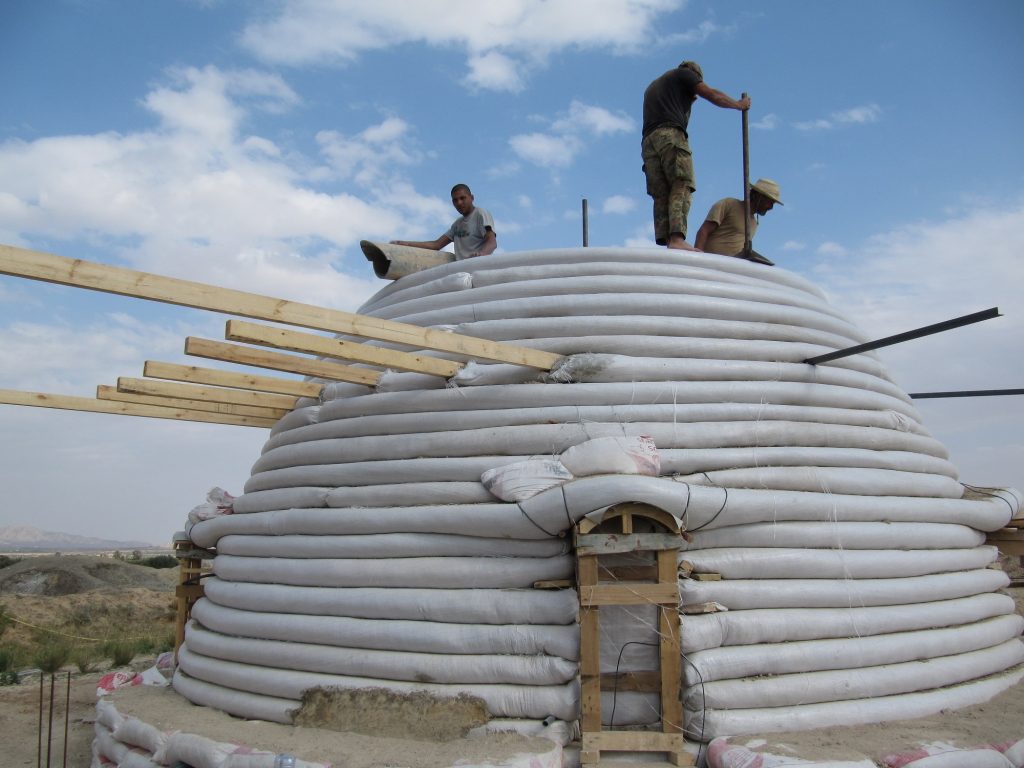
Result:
[998,720]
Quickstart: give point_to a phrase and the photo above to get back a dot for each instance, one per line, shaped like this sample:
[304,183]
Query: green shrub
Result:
[5,619]
[84,657]
[51,655]
[167,643]
[120,652]
[159,561]
[7,657]
[6,560]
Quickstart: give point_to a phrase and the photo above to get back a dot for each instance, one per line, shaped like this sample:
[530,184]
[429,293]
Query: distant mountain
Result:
[25,538]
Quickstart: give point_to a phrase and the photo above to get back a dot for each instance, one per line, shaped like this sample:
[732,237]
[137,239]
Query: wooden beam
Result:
[217,378]
[50,268]
[309,343]
[70,403]
[629,594]
[235,353]
[105,392]
[152,388]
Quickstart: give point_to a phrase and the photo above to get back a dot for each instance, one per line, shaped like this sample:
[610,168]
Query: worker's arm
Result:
[431,245]
[489,244]
[720,99]
[704,233]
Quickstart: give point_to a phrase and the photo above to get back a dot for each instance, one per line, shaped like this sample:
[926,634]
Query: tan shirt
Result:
[727,237]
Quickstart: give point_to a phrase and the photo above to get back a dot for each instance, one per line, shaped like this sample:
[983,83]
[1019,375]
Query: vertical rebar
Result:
[39,750]
[49,729]
[67,716]
[586,225]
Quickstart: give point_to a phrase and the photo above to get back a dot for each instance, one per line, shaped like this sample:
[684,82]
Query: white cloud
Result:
[546,150]
[196,196]
[700,34]
[618,204]
[931,271]
[501,40]
[831,250]
[586,118]
[559,146]
[767,123]
[868,113]
[793,245]
[494,71]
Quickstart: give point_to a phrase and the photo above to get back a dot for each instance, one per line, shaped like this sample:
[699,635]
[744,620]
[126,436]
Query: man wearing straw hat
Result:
[722,231]
[665,147]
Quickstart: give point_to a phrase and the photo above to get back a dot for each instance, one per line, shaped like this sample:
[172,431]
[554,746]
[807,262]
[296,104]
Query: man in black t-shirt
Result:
[668,164]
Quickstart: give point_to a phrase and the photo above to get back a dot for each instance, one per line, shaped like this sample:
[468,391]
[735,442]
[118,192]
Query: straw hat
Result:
[768,188]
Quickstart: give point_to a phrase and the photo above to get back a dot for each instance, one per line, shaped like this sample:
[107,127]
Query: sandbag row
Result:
[367,552]
[502,700]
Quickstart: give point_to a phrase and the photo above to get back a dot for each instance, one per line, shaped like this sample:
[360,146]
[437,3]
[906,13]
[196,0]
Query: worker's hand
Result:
[744,103]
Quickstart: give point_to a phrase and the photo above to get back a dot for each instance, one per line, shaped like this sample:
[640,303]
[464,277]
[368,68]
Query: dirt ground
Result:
[998,720]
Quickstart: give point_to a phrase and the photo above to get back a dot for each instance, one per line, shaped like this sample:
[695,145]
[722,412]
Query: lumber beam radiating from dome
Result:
[150,388]
[107,392]
[72,403]
[236,353]
[35,265]
[195,374]
[297,341]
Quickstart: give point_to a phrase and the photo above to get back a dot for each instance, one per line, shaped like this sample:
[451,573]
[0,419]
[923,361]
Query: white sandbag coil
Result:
[366,552]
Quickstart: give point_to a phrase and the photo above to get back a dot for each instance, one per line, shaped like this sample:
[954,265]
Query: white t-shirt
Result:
[469,232]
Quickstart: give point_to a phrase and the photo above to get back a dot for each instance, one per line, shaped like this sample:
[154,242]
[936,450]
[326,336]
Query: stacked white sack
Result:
[367,552]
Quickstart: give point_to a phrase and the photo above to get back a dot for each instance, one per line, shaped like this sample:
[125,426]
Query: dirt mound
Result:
[53,575]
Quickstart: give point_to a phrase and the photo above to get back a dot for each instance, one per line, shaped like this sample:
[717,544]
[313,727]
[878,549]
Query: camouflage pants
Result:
[668,167]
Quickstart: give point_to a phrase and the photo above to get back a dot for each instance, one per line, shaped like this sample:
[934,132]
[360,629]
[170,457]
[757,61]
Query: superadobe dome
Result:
[847,576]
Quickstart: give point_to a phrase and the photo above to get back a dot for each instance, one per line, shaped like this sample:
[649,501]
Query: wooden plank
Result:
[50,268]
[152,388]
[616,543]
[702,608]
[706,576]
[309,343]
[218,378]
[104,392]
[632,741]
[671,671]
[71,403]
[629,594]
[1009,540]
[631,572]
[590,649]
[553,584]
[234,353]
[590,669]
[644,681]
[1006,534]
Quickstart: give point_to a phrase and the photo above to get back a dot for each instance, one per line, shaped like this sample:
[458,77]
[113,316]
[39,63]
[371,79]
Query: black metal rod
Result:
[39,750]
[67,718]
[49,729]
[967,393]
[586,225]
[927,330]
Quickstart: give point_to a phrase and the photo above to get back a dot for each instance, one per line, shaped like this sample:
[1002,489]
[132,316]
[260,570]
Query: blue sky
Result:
[252,145]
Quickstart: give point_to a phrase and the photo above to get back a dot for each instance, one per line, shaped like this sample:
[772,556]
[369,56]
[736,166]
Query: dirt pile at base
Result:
[382,712]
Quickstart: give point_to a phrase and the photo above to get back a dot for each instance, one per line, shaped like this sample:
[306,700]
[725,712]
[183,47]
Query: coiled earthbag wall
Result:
[365,552]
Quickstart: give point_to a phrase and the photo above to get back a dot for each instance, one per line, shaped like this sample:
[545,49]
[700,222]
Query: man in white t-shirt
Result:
[473,232]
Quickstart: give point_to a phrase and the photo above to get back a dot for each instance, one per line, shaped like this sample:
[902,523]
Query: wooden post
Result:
[617,534]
